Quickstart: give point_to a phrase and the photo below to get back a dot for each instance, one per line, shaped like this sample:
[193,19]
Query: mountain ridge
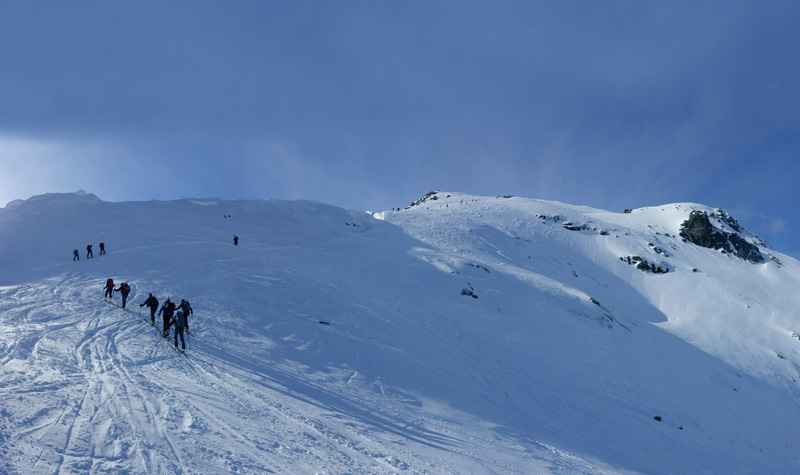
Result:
[466,333]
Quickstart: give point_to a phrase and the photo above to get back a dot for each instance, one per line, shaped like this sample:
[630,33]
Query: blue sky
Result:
[369,105]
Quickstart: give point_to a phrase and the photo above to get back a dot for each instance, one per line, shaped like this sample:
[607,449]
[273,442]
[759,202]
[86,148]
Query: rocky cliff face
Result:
[698,229]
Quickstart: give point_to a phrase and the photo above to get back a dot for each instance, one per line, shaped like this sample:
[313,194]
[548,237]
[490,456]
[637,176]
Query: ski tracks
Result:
[91,388]
[312,426]
[74,403]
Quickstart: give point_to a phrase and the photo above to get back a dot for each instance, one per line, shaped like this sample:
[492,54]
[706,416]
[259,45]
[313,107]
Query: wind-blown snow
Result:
[461,335]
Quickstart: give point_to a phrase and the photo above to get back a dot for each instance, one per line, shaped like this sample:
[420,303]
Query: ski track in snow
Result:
[100,392]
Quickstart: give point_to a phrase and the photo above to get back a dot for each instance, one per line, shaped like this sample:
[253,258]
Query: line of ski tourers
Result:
[89,253]
[173,315]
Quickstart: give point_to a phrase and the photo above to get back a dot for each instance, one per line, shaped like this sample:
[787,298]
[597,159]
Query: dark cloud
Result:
[367,104]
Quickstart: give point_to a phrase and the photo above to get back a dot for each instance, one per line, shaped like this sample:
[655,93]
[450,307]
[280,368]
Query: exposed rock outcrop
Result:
[699,230]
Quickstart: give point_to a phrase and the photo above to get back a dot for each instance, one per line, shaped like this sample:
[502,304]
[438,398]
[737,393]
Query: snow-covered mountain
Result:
[463,334]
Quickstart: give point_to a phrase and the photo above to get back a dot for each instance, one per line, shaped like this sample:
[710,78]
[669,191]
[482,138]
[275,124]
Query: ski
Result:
[168,341]
[171,345]
[111,302]
[178,349]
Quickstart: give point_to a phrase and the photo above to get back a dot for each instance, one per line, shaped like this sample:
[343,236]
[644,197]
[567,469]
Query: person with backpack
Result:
[89,251]
[75,256]
[179,321]
[109,288]
[124,289]
[152,304]
[102,248]
[187,310]
[168,309]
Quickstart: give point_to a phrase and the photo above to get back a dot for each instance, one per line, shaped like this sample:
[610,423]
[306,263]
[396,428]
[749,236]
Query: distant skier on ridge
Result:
[124,289]
[102,248]
[109,288]
[168,309]
[152,304]
[187,310]
[179,321]
[89,251]
[75,256]
[235,240]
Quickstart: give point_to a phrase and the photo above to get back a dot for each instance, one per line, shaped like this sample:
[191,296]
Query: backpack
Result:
[123,287]
[110,282]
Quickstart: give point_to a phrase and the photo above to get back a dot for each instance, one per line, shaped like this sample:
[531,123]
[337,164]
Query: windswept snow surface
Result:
[461,335]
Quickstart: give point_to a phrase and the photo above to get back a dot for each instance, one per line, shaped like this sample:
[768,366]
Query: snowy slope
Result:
[462,335]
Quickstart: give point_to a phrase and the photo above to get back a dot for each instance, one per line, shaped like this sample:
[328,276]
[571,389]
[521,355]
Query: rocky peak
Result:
[430,196]
[699,230]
